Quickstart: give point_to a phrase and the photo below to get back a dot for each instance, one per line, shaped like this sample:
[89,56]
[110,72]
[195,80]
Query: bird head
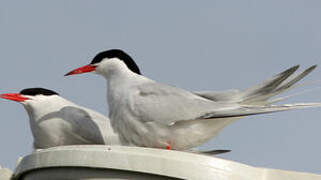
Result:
[30,95]
[107,62]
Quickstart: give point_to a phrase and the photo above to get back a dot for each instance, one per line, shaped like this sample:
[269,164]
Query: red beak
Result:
[84,69]
[14,97]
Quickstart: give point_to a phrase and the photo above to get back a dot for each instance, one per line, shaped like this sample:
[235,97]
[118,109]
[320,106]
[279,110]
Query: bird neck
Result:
[119,75]
[36,110]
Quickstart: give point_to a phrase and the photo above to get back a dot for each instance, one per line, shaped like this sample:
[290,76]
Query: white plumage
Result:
[151,114]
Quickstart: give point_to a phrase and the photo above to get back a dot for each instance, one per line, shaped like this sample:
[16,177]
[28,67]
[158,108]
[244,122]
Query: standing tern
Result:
[55,121]
[151,114]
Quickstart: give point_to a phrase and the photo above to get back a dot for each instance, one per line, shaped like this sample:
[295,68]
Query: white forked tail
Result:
[257,99]
[261,93]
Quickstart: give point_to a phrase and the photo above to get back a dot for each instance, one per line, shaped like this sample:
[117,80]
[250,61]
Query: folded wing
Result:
[261,93]
[167,105]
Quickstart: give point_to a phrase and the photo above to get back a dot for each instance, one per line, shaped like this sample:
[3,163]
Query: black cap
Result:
[117,53]
[38,91]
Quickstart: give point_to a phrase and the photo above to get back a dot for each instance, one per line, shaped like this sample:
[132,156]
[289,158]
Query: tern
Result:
[151,114]
[55,121]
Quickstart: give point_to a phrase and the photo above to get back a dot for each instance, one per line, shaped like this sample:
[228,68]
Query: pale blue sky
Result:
[196,45]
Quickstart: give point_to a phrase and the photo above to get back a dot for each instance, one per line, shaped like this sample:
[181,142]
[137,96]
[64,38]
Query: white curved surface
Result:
[5,174]
[119,162]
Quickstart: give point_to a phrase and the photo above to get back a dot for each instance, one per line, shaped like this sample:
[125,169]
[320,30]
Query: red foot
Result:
[168,147]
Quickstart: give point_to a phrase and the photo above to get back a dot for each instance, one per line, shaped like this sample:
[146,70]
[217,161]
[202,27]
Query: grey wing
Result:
[230,95]
[247,110]
[84,127]
[168,105]
[261,93]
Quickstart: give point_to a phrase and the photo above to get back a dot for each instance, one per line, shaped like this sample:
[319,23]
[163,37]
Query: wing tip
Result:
[216,152]
[291,69]
[312,67]
[288,72]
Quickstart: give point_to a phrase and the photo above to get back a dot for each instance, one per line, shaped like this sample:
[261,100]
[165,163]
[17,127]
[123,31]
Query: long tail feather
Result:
[247,110]
[278,84]
[260,94]
[283,98]
[269,85]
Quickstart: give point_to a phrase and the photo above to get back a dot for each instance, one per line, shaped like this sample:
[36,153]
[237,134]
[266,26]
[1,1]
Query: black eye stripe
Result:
[38,91]
[117,53]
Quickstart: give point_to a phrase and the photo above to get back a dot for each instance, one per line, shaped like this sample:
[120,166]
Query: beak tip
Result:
[83,69]
[3,96]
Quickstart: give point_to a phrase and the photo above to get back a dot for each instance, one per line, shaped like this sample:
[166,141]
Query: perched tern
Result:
[55,121]
[151,114]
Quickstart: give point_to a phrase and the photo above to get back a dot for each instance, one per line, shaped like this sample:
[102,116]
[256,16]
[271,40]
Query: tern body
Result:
[55,121]
[135,126]
[151,114]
